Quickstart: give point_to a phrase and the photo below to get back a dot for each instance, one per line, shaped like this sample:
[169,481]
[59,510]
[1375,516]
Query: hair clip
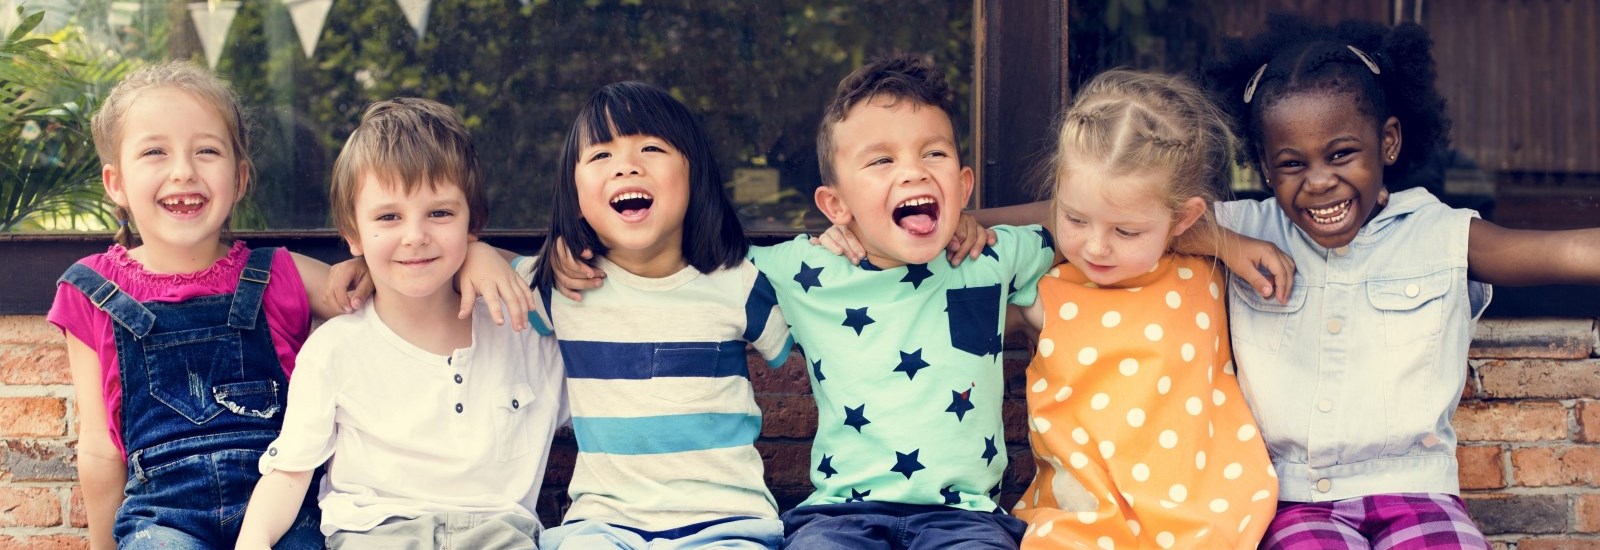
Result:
[122,223]
[1373,65]
[1250,89]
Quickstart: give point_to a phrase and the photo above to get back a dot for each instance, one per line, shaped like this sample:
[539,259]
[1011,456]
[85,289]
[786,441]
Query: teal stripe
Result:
[650,435]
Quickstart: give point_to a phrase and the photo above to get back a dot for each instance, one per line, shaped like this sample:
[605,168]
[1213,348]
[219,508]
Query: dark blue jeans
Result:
[874,525]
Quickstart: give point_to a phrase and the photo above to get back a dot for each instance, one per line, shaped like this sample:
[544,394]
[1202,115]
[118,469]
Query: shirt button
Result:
[458,407]
[1412,290]
[272,451]
[1323,485]
[458,379]
[515,404]
[1334,326]
[449,360]
[1325,405]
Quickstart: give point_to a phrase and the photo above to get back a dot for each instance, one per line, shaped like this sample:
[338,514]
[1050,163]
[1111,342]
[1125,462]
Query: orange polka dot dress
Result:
[1140,435]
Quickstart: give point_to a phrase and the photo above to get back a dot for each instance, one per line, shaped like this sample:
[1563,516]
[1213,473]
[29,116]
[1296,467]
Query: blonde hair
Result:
[1130,121]
[407,142]
[180,75]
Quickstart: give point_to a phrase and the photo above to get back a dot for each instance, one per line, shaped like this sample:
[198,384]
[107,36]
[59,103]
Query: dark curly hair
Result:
[899,77]
[1301,56]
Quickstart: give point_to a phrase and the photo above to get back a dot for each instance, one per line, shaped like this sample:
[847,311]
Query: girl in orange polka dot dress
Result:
[1139,431]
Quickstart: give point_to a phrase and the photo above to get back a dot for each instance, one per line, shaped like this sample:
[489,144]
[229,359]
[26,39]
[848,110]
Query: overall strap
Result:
[110,298]
[252,287]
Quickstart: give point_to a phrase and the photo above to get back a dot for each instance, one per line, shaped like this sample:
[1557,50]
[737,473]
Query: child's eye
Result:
[937,153]
[879,160]
[386,217]
[151,151]
[210,151]
[1127,233]
[1290,164]
[441,214]
[599,156]
[653,149]
[1075,221]
[1343,153]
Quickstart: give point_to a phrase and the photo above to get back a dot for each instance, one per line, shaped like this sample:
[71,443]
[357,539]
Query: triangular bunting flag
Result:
[417,13]
[211,22]
[309,16]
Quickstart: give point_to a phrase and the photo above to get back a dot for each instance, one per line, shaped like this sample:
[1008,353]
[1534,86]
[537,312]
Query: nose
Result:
[626,164]
[1095,245]
[1320,178]
[182,168]
[416,232]
[912,172]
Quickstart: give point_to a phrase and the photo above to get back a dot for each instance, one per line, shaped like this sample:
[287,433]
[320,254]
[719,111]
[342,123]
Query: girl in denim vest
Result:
[1355,378]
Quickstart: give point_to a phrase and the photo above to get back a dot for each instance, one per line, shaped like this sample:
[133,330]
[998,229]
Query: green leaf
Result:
[26,26]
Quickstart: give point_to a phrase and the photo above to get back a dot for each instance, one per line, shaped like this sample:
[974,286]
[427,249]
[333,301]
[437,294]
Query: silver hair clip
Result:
[1373,65]
[1250,89]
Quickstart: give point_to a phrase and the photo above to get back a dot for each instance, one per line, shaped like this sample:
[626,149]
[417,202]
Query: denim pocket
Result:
[1411,307]
[1262,323]
[256,399]
[185,367]
[511,422]
[974,315]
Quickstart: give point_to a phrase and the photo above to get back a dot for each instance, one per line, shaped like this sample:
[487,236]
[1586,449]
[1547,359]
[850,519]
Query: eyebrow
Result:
[1330,144]
[883,146]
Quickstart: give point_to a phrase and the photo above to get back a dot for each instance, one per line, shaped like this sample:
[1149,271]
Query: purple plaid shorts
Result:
[1400,521]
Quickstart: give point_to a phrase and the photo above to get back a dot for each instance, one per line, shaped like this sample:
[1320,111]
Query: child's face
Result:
[1108,226]
[1324,160]
[899,183]
[634,192]
[176,171]
[413,244]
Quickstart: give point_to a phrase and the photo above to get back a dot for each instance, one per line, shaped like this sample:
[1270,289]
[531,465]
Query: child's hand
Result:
[969,241]
[486,274]
[348,284]
[573,276]
[1266,268]
[840,241]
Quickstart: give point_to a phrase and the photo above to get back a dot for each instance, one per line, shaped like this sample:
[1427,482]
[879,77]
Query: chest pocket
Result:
[1262,322]
[974,319]
[511,423]
[685,373]
[1412,308]
[200,373]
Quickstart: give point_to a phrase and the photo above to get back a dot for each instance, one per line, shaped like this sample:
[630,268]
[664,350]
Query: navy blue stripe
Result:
[758,307]
[640,361]
[649,435]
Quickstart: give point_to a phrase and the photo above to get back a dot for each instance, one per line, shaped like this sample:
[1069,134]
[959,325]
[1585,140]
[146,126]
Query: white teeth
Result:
[1331,214]
[183,200]
[631,195]
[919,201]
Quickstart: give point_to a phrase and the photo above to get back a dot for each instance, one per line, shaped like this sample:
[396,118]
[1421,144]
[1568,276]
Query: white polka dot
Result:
[1200,460]
[1105,543]
[1110,319]
[1165,539]
[1211,429]
[1272,472]
[1217,397]
[1045,529]
[1244,523]
[1086,356]
[1099,401]
[1228,367]
[1216,344]
[1055,272]
[1187,351]
[1179,493]
[1193,406]
[1087,518]
[1134,527]
[1107,449]
[1202,532]
[1233,471]
[1168,504]
[1141,472]
[1260,496]
[1023,505]
[1247,432]
[1040,386]
[1128,498]
[1136,417]
[1134,288]
[1211,374]
[1164,385]
[1203,320]
[1061,394]
[1069,310]
[1040,424]
[1168,439]
[1128,367]
[1153,333]
[1216,294]
[1080,436]
[1185,273]
[1046,347]
[1078,460]
[1219,506]
[1173,299]
[1091,284]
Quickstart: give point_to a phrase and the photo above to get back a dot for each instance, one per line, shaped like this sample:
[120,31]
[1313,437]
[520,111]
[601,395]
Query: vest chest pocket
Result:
[1412,308]
[1262,323]
[186,370]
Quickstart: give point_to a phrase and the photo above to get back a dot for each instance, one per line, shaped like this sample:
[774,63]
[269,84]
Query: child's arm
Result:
[328,301]
[1501,256]
[101,470]
[1261,264]
[968,241]
[273,507]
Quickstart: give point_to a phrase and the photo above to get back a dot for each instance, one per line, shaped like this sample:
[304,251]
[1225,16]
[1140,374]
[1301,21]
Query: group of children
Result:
[1322,420]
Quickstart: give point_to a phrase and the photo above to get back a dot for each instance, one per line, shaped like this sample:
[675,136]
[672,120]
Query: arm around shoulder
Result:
[101,469]
[1502,256]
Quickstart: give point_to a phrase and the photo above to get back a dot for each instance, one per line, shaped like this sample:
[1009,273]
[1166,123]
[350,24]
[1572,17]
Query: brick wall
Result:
[1529,425]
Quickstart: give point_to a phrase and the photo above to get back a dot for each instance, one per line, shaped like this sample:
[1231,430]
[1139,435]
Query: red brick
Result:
[1554,466]
[32,460]
[28,329]
[788,466]
[38,365]
[29,507]
[1586,513]
[792,378]
[44,542]
[1525,421]
[1533,338]
[1558,543]
[33,416]
[1481,467]
[1014,417]
[1016,377]
[78,516]
[1540,379]
[1588,413]
[558,471]
[792,416]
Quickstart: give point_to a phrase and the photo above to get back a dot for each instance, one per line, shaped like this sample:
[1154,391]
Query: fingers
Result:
[468,295]
[570,294]
[364,288]
[1284,277]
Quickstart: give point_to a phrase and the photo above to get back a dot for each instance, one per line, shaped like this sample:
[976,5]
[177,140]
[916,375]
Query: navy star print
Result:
[858,496]
[857,417]
[910,363]
[1046,241]
[960,403]
[816,370]
[827,467]
[906,464]
[915,274]
[808,277]
[989,450]
[856,319]
[950,496]
[989,251]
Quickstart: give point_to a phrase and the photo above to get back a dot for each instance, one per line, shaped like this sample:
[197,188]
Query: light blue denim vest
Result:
[1355,380]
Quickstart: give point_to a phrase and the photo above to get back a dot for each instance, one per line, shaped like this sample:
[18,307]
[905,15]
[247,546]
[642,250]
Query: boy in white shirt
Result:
[438,428]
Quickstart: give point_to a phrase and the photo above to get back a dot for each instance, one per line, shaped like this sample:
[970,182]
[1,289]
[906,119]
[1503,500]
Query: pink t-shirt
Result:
[288,312]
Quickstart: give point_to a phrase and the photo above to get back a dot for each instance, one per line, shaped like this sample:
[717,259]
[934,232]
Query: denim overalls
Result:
[202,396]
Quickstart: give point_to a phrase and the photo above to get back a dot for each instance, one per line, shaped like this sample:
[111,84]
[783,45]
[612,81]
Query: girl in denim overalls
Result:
[181,347]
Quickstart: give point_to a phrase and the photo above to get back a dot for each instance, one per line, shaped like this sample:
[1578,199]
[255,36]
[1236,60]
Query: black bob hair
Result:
[1301,56]
[712,236]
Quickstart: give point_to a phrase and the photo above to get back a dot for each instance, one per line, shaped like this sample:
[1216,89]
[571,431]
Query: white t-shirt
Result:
[411,432]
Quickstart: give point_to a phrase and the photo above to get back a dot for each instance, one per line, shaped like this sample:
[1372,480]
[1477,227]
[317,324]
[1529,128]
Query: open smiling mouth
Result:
[918,216]
[1332,214]
[183,204]
[633,204]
